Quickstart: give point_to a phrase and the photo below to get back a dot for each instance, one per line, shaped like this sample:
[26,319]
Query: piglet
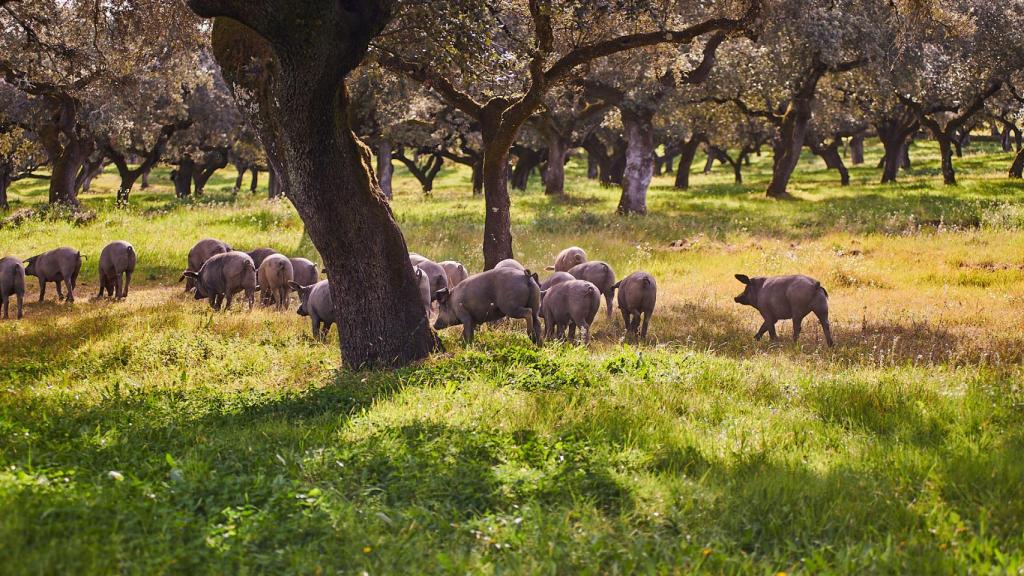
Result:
[116,260]
[784,297]
[315,302]
[12,283]
[570,304]
[59,265]
[490,296]
[638,293]
[223,276]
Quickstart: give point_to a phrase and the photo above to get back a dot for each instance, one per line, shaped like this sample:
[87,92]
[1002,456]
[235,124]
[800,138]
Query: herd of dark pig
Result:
[567,300]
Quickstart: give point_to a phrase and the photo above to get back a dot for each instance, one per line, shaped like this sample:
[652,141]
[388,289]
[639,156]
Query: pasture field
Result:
[155,436]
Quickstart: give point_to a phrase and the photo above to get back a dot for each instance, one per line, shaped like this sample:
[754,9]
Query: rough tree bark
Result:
[893,130]
[527,159]
[68,147]
[287,60]
[554,176]
[639,169]
[1017,168]
[793,131]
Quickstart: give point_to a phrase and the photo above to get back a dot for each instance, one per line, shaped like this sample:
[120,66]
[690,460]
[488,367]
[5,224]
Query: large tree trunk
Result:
[554,176]
[300,108]
[89,171]
[128,178]
[639,167]
[891,158]
[65,170]
[212,161]
[254,184]
[385,170]
[478,177]
[833,159]
[1017,168]
[275,189]
[687,151]
[946,153]
[238,179]
[791,136]
[182,177]
[5,183]
[857,150]
[145,179]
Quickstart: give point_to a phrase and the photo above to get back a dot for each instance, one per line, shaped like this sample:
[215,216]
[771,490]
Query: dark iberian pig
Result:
[423,284]
[785,297]
[568,305]
[59,265]
[12,283]
[571,256]
[260,254]
[555,279]
[435,272]
[510,263]
[272,277]
[315,301]
[304,272]
[638,293]
[223,276]
[490,296]
[456,272]
[200,253]
[599,274]
[117,261]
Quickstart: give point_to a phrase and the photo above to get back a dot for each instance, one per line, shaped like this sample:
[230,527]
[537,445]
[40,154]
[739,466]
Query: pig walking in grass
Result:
[785,297]
[117,264]
[223,276]
[456,272]
[571,256]
[12,283]
[304,272]
[315,302]
[60,265]
[599,274]
[272,277]
[199,254]
[490,296]
[638,293]
[568,305]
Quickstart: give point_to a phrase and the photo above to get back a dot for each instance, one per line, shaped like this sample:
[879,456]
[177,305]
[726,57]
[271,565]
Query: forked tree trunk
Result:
[145,180]
[792,134]
[554,175]
[385,170]
[687,152]
[833,159]
[89,171]
[64,176]
[857,150]
[254,184]
[639,167]
[891,159]
[300,108]
[527,160]
[946,153]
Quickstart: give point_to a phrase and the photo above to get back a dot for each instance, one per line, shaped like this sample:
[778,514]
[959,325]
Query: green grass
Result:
[153,436]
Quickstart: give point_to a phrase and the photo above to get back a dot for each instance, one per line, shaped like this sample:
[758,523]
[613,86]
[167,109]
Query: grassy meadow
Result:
[154,436]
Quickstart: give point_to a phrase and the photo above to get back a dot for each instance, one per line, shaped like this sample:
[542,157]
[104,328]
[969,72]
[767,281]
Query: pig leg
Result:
[103,284]
[585,333]
[826,327]
[608,302]
[467,331]
[60,292]
[572,331]
[797,321]
[117,286]
[19,304]
[315,321]
[634,326]
[326,330]
[532,323]
[127,281]
[250,297]
[643,329]
[549,328]
[282,301]
[6,304]
[765,327]
[71,288]
[231,298]
[42,289]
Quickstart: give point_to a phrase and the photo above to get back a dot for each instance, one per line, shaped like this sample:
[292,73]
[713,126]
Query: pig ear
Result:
[441,295]
[323,271]
[295,286]
[188,274]
[549,267]
[743,278]
[535,278]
